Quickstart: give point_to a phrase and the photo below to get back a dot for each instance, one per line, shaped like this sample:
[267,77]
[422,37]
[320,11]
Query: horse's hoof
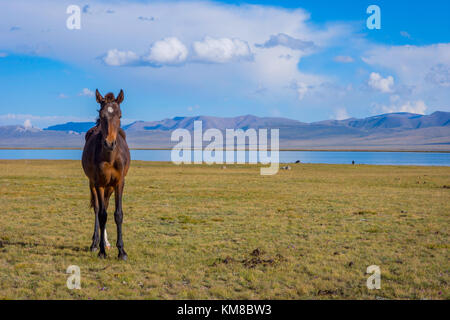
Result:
[123,256]
[93,249]
[102,255]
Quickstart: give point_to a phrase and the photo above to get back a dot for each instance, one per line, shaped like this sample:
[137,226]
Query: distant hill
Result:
[392,131]
[400,120]
[242,122]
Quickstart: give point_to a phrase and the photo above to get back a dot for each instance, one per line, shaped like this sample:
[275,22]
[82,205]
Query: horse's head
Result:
[109,117]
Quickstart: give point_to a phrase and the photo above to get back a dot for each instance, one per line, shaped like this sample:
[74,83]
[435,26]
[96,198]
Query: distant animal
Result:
[353,161]
[298,161]
[106,160]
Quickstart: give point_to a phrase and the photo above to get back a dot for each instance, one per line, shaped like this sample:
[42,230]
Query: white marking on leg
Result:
[107,244]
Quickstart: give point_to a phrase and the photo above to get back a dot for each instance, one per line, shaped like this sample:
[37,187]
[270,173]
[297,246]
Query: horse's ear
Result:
[119,98]
[98,96]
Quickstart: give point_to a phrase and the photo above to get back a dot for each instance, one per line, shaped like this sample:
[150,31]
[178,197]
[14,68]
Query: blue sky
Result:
[306,60]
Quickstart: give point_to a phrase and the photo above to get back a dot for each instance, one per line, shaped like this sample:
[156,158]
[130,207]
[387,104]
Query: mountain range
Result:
[392,131]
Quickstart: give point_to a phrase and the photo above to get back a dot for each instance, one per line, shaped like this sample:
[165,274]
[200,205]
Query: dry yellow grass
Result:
[189,232]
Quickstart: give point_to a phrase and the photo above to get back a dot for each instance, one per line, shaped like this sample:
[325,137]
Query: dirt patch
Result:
[365,212]
[256,258]
[330,292]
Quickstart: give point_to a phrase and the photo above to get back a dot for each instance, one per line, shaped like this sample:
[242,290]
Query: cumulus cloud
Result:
[168,51]
[411,64]
[221,50]
[418,107]
[439,75]
[341,114]
[285,40]
[343,59]
[376,81]
[301,88]
[27,124]
[117,58]
[86,92]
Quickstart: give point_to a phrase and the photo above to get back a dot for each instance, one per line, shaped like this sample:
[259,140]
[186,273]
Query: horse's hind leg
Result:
[94,204]
[102,217]
[118,217]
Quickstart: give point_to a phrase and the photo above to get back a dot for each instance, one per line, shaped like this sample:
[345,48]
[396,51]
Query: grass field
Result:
[204,232]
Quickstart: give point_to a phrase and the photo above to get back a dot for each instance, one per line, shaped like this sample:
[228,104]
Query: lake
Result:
[336,157]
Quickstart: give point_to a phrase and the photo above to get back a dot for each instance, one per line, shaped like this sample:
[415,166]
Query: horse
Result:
[106,160]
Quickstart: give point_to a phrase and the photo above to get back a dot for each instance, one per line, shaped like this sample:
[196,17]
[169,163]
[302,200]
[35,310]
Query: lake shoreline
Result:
[252,156]
[242,164]
[281,149]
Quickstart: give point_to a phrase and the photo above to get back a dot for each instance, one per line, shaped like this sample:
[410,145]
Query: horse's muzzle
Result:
[110,146]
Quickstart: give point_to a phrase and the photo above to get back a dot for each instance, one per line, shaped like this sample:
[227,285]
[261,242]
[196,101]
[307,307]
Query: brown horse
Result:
[106,159]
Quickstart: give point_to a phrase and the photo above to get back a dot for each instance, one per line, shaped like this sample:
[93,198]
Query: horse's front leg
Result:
[102,217]
[94,204]
[118,217]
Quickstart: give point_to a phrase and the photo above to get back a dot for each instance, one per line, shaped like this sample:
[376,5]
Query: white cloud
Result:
[168,51]
[343,59]
[439,75]
[221,50]
[301,89]
[376,81]
[341,114]
[62,96]
[27,124]
[405,34]
[418,107]
[86,92]
[117,58]
[284,36]
[410,63]
[285,40]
